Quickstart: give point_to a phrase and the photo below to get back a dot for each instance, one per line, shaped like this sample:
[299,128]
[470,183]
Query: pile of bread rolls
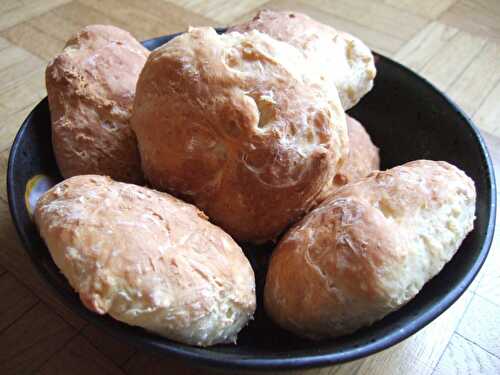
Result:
[245,138]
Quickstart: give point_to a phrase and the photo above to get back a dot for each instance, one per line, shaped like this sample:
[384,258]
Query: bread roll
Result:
[363,158]
[237,124]
[337,56]
[147,259]
[368,249]
[91,88]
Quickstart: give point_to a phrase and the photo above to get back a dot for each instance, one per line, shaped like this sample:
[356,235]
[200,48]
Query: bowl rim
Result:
[204,357]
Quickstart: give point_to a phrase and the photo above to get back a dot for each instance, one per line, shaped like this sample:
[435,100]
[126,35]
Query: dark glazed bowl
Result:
[408,119]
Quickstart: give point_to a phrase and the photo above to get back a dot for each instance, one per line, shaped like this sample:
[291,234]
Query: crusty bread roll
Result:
[147,259]
[363,159]
[91,88]
[336,55]
[237,124]
[363,155]
[369,248]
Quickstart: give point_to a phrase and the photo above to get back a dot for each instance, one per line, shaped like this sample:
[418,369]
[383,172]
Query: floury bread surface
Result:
[91,88]
[369,248]
[238,124]
[336,56]
[147,259]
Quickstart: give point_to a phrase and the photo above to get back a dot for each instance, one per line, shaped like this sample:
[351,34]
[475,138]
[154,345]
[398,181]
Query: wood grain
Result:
[117,351]
[82,358]
[30,341]
[480,325]
[464,357]
[481,17]
[426,8]
[16,300]
[453,43]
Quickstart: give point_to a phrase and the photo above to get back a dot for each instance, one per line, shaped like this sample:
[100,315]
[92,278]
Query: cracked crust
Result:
[369,248]
[236,124]
[337,57]
[147,259]
[91,88]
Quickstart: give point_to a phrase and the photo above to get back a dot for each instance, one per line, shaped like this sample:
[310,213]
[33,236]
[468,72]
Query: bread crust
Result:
[91,87]
[363,159]
[337,56]
[369,248]
[147,259]
[236,124]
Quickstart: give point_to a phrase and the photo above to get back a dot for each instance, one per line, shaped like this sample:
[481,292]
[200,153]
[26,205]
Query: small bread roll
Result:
[337,56]
[91,88]
[147,259]
[363,159]
[369,248]
[363,155]
[237,124]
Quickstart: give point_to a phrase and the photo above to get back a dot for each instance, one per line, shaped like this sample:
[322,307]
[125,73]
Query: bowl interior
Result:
[408,119]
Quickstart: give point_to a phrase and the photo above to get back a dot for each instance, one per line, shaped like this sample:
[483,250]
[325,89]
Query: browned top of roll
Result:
[338,57]
[91,88]
[239,125]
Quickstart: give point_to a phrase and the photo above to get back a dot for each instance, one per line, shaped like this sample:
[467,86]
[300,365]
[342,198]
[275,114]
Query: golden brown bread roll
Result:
[363,159]
[237,124]
[369,248]
[91,88]
[147,259]
[337,56]
[363,155]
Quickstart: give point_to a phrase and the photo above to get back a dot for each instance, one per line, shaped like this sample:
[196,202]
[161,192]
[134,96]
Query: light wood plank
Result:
[9,126]
[7,5]
[15,64]
[117,351]
[222,11]
[3,43]
[418,51]
[480,325]
[79,358]
[421,350]
[81,15]
[33,40]
[481,17]
[375,15]
[463,357]
[430,9]
[447,64]
[26,91]
[31,340]
[147,19]
[16,300]
[26,11]
[488,115]
[54,26]
[469,91]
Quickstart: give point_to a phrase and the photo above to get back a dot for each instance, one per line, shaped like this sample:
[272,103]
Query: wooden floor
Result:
[456,44]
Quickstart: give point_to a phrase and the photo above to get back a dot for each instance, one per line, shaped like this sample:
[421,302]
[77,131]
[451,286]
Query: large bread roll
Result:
[335,55]
[369,248]
[237,124]
[147,259]
[91,88]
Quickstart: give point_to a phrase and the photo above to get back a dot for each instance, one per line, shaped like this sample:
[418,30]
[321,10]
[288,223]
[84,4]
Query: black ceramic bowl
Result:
[408,119]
